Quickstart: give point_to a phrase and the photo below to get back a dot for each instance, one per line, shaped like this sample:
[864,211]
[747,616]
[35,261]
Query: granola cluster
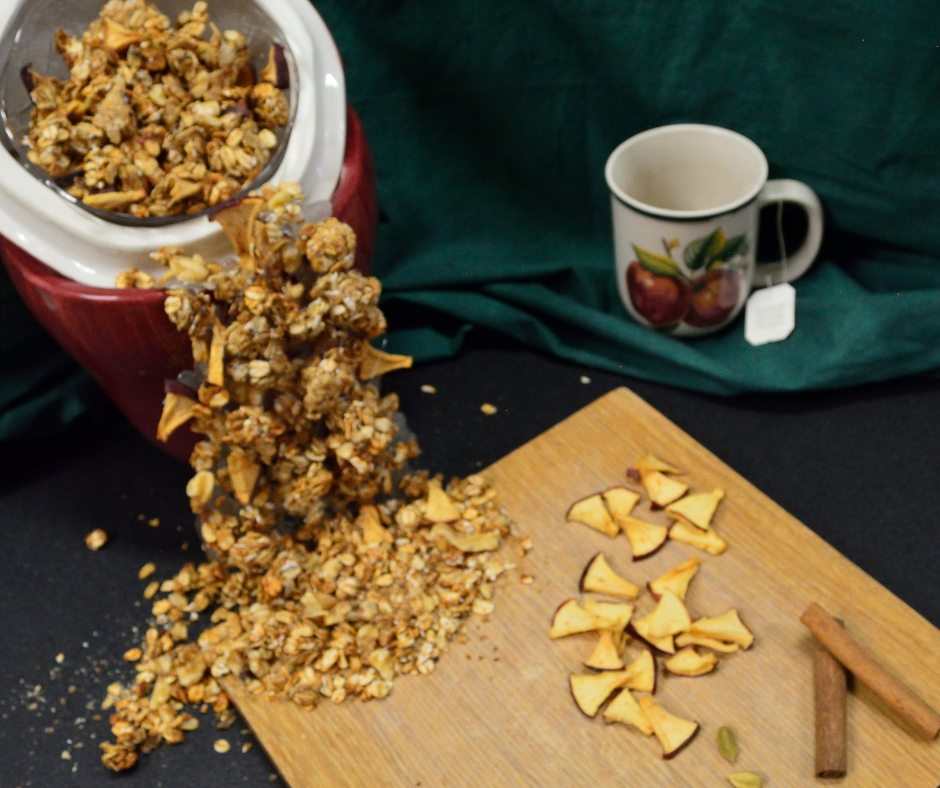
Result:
[325,581]
[155,119]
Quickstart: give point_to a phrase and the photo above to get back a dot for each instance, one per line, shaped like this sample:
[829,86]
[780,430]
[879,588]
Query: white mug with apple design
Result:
[686,203]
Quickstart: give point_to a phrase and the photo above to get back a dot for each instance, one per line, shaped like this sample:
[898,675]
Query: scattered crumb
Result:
[488,409]
[96,539]
[585,379]
[185,546]
[246,746]
[151,590]
[49,730]
[60,658]
[272,777]
[221,745]
[66,755]
[428,389]
[132,655]
[146,570]
[153,522]
[526,545]
[141,517]
[526,580]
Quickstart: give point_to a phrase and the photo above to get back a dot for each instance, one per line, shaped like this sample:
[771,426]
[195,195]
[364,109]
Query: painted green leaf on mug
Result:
[656,263]
[704,250]
[734,246]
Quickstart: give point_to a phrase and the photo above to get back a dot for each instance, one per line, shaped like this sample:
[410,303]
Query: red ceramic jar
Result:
[124,339]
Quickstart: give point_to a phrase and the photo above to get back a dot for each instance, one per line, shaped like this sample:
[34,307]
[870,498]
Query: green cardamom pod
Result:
[745,780]
[727,744]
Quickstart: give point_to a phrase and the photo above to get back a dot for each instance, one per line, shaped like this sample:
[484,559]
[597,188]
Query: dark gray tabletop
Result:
[860,467]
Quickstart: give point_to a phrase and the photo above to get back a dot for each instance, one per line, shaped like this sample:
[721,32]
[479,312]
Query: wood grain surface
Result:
[497,711]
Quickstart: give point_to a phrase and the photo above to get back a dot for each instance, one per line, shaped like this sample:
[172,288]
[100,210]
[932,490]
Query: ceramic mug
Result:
[686,203]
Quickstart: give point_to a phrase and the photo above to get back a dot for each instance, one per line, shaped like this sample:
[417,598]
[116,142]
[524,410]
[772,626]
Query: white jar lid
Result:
[93,251]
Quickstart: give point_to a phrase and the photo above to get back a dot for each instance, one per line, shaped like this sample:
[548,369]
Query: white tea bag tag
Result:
[770,314]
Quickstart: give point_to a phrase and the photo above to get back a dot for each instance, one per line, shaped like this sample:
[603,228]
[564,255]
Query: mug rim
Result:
[681,215]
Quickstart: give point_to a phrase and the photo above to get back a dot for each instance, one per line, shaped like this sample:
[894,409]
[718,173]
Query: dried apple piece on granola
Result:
[440,508]
[238,221]
[592,512]
[697,509]
[374,362]
[373,532]
[216,372]
[467,543]
[177,410]
[243,472]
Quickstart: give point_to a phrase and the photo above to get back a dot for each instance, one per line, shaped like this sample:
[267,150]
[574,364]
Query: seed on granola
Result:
[146,570]
[488,409]
[96,539]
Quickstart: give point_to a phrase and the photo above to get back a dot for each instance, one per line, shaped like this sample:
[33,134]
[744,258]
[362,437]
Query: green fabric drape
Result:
[490,123]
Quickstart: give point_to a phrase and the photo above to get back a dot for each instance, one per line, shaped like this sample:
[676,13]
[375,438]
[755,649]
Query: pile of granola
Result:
[324,584]
[155,119]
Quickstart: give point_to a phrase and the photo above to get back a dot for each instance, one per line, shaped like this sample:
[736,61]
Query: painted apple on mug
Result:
[700,291]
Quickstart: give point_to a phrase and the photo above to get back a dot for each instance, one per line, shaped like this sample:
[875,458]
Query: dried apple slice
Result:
[645,538]
[625,709]
[600,578]
[676,580]
[669,617]
[177,410]
[572,619]
[373,532]
[216,372]
[727,628]
[690,639]
[238,221]
[439,508]
[243,471]
[605,655]
[673,732]
[620,501]
[481,542]
[610,615]
[590,692]
[592,512]
[661,489]
[708,540]
[697,509]
[374,362]
[688,662]
[641,629]
[652,463]
[642,673]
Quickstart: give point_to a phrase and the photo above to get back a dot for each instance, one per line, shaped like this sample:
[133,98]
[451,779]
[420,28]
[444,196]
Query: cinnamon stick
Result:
[829,690]
[861,665]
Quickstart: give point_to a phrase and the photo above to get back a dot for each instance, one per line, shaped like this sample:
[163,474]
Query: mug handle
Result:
[786,190]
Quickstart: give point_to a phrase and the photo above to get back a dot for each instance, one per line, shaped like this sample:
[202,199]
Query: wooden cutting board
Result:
[497,711]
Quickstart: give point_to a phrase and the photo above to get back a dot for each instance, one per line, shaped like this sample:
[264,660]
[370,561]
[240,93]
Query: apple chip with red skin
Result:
[708,540]
[606,655]
[439,508]
[572,619]
[690,639]
[620,501]
[673,732]
[645,538]
[728,628]
[592,512]
[590,692]
[600,578]
[676,580]
[669,617]
[625,709]
[651,463]
[642,673]
[641,629]
[697,509]
[662,489]
[688,662]
[610,615]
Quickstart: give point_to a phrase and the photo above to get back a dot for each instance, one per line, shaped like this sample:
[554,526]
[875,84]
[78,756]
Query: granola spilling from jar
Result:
[156,118]
[328,580]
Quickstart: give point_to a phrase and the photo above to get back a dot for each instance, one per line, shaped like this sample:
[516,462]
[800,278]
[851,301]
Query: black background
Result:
[859,467]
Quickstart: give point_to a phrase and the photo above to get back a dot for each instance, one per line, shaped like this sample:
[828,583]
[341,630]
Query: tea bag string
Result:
[780,243]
